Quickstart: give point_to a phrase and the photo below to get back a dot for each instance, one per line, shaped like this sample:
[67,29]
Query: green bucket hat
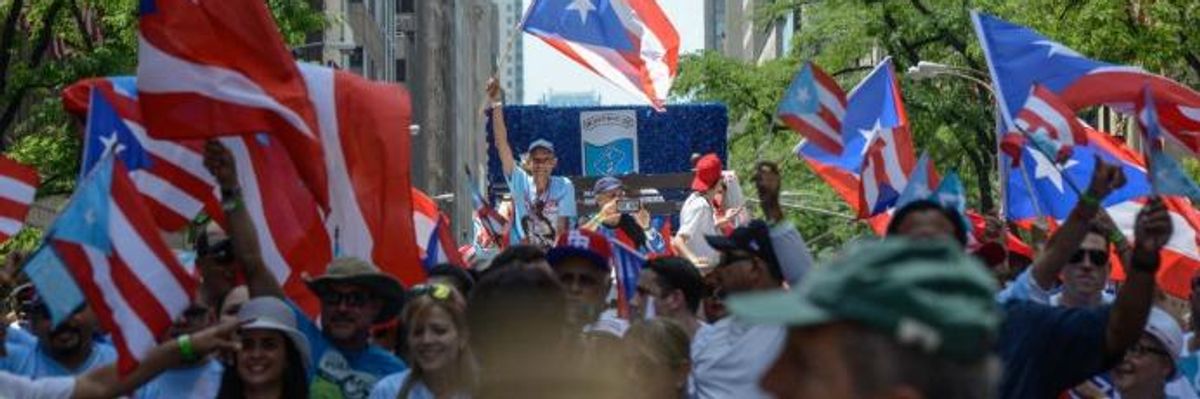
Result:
[348,270]
[930,295]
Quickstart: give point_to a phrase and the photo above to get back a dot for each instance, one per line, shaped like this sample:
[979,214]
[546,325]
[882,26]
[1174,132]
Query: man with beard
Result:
[353,293]
[65,350]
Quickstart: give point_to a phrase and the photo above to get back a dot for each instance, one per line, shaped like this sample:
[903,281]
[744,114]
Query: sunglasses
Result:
[222,251]
[349,298]
[1098,257]
[436,291]
[1140,349]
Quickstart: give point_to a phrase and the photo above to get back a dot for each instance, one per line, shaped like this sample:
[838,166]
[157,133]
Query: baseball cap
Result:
[754,238]
[927,294]
[708,172]
[606,184]
[1163,328]
[541,143]
[584,244]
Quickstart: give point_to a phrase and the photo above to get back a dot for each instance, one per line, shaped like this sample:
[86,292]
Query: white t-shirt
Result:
[537,213]
[13,386]
[730,357]
[697,219]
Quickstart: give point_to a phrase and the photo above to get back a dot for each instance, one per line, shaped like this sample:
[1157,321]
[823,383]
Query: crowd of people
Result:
[740,311]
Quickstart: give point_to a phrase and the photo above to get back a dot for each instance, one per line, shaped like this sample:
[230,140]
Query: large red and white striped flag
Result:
[18,184]
[174,183]
[211,68]
[134,283]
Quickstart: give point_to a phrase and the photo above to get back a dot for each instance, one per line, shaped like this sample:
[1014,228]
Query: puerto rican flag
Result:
[489,221]
[631,43]
[814,106]
[107,239]
[876,126]
[18,185]
[169,174]
[1020,58]
[1045,114]
[433,235]
[627,263]
[208,68]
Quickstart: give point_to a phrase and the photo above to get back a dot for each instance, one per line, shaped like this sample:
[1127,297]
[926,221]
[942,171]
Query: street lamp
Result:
[928,70]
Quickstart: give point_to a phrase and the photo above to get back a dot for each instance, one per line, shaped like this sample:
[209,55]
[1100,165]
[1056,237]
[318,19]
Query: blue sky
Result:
[546,68]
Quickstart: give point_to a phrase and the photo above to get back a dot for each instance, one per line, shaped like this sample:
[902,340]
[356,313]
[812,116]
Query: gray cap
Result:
[271,313]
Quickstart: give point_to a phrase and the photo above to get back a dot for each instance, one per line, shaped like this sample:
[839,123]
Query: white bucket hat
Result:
[1163,327]
[271,313]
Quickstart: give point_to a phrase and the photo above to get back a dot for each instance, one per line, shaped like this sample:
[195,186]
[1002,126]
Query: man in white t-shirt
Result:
[544,204]
[698,218]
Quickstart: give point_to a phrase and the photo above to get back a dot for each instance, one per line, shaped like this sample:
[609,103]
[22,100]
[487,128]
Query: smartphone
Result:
[628,205]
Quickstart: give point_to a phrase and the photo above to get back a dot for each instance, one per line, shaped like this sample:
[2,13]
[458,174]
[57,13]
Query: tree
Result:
[951,118]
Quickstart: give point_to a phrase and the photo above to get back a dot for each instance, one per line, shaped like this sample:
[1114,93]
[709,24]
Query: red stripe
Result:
[18,171]
[376,146]
[808,131]
[147,307]
[13,209]
[448,243]
[844,184]
[164,217]
[292,218]
[829,84]
[129,201]
[183,180]
[904,148]
[658,24]
[77,263]
[830,119]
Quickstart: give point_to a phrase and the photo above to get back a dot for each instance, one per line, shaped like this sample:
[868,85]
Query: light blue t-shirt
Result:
[33,362]
[199,382]
[351,373]
[557,201]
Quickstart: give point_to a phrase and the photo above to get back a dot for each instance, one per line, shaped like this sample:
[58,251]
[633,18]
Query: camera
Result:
[628,205]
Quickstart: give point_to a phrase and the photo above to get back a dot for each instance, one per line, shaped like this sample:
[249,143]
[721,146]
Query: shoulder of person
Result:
[389,387]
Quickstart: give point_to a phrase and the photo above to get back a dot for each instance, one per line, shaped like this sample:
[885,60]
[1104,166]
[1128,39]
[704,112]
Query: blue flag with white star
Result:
[54,284]
[107,132]
[85,220]
[593,22]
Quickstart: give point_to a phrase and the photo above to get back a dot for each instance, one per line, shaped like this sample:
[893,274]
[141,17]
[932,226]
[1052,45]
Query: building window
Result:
[405,6]
[401,70]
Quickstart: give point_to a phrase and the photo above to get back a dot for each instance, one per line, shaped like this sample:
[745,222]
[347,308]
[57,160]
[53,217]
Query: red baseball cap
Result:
[708,172]
[584,244]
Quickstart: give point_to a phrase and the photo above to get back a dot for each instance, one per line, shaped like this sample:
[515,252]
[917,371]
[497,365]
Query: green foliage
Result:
[951,117]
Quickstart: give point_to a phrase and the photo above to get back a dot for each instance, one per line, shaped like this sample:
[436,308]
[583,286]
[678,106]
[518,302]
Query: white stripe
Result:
[254,206]
[16,190]
[153,272]
[159,72]
[10,226]
[652,51]
[830,101]
[1192,113]
[424,227]
[601,59]
[870,185]
[345,221]
[167,194]
[1059,125]
[182,157]
[1183,236]
[891,160]
[817,122]
[138,337]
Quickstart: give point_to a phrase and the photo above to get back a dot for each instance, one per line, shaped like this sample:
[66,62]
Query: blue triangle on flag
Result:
[918,187]
[85,220]
[1169,178]
[54,284]
[107,132]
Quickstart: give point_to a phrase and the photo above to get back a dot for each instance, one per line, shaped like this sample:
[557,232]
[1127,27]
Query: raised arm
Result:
[793,254]
[1151,232]
[242,233]
[104,382]
[499,129]
[1067,239]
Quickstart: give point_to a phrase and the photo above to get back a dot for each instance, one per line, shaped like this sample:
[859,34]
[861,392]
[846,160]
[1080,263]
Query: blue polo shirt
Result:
[1047,350]
[342,373]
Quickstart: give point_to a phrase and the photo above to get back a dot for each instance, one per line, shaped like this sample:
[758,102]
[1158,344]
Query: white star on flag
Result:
[1057,48]
[870,134]
[1044,169]
[583,6]
[802,96]
[111,143]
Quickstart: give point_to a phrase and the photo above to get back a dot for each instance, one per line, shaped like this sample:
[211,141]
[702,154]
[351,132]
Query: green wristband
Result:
[185,348]
[1089,201]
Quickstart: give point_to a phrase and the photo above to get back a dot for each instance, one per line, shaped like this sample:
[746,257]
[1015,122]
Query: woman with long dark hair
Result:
[435,325]
[274,358]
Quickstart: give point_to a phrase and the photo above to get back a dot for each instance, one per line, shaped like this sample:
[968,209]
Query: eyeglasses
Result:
[436,291]
[1098,257]
[357,298]
[1140,349]
[195,312]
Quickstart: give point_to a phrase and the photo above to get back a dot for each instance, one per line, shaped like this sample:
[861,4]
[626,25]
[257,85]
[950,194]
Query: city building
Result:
[730,28]
[512,78]
[570,98]
[360,37]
